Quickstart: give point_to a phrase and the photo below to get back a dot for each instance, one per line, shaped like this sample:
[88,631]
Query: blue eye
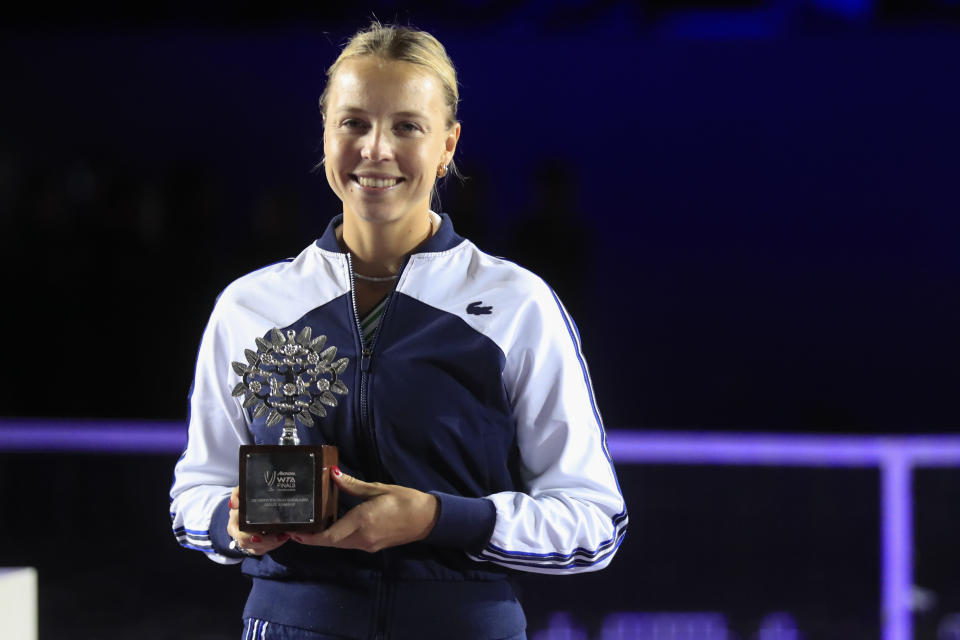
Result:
[408,127]
[353,123]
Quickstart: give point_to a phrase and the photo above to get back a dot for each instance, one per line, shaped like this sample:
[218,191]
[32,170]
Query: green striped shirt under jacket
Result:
[370,322]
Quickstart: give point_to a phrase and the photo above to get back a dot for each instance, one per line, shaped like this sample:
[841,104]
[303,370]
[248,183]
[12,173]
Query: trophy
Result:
[288,486]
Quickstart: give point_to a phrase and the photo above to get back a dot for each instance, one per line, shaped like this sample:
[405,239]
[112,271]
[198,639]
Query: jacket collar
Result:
[445,238]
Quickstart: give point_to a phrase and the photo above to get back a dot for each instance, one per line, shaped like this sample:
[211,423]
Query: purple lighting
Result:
[894,456]
[897,547]
[92,436]
[654,447]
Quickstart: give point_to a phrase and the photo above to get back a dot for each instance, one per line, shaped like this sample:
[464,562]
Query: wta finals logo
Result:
[289,379]
[280,480]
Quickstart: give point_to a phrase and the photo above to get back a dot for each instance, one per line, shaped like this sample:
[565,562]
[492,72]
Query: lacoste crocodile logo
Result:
[477,310]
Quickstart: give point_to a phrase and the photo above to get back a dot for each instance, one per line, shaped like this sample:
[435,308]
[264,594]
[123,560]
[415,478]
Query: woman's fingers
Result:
[335,533]
[246,542]
[257,544]
[233,524]
[391,516]
[357,487]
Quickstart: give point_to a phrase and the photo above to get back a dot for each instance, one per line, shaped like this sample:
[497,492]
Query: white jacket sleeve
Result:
[571,517]
[217,426]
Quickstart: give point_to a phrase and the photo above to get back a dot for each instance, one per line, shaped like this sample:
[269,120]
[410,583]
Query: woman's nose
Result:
[376,146]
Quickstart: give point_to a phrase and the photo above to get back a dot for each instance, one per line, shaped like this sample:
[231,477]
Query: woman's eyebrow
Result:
[349,109]
[411,114]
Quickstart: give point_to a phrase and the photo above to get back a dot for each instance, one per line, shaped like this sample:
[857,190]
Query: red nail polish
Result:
[298,538]
[255,538]
[336,471]
[230,503]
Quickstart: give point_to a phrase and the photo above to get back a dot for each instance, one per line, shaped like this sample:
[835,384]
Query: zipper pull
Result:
[365,359]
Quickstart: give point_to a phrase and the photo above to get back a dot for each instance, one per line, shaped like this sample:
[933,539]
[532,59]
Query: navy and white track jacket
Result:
[474,389]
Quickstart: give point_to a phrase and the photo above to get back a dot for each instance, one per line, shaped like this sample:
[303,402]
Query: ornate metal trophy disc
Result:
[291,379]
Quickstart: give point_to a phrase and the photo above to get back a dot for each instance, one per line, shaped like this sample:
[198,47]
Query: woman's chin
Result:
[377,214]
[382,213]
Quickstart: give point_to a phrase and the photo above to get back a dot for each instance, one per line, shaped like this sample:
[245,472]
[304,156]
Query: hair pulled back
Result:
[392,42]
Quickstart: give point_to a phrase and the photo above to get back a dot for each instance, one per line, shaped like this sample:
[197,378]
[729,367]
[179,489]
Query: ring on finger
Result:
[235,546]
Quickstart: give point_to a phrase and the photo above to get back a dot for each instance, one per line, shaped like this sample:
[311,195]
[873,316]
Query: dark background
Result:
[749,207]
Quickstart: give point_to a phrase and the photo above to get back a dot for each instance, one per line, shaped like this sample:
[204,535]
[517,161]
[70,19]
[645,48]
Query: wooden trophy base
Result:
[287,488]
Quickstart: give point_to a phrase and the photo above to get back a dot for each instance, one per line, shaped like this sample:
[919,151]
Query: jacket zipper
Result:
[366,356]
[365,353]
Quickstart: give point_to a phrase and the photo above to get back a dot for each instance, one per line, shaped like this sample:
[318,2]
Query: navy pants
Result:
[254,629]
[359,607]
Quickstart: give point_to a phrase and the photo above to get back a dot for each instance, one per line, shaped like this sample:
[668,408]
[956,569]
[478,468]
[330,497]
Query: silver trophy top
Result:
[288,378]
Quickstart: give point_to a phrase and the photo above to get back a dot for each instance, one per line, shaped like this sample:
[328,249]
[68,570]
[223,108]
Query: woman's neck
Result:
[379,249]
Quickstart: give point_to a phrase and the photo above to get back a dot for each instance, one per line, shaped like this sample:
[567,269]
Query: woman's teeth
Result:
[377,182]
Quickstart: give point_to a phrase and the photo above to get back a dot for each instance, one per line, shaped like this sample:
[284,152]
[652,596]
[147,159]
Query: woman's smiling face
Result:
[385,135]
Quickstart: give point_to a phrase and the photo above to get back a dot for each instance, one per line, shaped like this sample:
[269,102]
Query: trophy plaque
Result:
[290,379]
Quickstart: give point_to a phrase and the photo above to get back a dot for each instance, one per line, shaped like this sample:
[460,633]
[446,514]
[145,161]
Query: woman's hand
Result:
[255,544]
[391,515]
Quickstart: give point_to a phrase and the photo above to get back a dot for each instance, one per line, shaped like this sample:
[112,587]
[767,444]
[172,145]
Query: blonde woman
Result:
[470,443]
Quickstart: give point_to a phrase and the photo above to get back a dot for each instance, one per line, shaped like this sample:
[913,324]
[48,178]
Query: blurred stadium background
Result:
[750,208]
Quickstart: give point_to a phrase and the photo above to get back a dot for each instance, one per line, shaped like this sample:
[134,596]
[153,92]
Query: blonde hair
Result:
[393,42]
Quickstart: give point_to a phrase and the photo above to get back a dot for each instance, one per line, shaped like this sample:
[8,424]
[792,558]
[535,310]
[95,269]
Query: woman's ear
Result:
[450,143]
